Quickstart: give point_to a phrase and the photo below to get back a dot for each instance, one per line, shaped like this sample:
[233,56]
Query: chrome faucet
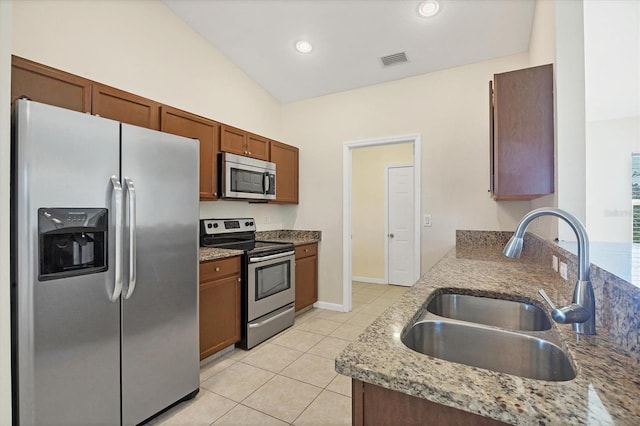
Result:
[582,310]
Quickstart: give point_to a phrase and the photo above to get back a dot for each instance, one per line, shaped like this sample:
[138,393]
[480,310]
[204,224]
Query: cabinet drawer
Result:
[219,268]
[306,250]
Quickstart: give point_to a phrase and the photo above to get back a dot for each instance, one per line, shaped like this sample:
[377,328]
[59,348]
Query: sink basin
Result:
[489,311]
[492,349]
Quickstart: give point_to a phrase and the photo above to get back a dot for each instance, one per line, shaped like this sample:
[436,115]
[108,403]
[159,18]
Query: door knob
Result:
[391,235]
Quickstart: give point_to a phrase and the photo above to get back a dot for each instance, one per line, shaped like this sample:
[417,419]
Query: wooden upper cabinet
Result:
[257,147]
[522,134]
[183,123]
[123,106]
[49,86]
[233,140]
[238,141]
[286,159]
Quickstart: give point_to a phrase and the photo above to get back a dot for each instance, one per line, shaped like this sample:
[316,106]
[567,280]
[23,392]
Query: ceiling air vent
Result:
[395,58]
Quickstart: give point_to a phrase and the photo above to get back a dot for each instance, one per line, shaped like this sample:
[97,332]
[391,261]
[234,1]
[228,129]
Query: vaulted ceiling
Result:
[350,37]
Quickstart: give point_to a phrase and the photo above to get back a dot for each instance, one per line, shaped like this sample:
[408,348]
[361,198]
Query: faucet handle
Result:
[546,299]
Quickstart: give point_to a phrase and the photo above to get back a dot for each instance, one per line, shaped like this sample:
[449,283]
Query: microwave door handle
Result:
[265,185]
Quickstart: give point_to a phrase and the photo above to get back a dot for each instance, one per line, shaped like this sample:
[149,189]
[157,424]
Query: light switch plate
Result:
[427,220]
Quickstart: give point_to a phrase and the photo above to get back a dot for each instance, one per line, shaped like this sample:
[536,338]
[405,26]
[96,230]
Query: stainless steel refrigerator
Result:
[104,268]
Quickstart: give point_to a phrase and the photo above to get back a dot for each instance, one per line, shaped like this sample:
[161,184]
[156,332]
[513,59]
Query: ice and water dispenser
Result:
[71,242]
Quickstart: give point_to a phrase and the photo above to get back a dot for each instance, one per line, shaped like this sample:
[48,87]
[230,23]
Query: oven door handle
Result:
[268,320]
[273,256]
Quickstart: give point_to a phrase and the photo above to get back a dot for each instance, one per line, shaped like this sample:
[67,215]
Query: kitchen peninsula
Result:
[605,390]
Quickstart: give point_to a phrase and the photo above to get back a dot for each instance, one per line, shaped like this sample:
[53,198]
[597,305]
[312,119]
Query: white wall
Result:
[612,102]
[570,113]
[610,144]
[449,109]
[143,47]
[5,256]
[542,50]
[368,177]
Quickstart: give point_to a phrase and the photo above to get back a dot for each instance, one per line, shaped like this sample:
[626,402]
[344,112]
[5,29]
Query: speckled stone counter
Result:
[298,238]
[606,389]
[212,253]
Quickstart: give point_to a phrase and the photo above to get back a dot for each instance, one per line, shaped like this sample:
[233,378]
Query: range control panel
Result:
[226,226]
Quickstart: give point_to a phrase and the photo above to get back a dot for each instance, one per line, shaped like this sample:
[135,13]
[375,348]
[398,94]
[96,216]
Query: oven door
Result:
[271,283]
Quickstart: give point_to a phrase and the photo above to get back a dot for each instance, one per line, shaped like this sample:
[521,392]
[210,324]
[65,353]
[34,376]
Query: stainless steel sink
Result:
[495,312]
[492,349]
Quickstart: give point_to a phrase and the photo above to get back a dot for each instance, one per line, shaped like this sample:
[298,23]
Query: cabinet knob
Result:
[306,250]
[249,152]
[238,279]
[217,269]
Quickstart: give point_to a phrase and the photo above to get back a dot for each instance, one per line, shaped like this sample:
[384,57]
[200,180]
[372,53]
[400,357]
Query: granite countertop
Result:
[212,253]
[298,238]
[606,389]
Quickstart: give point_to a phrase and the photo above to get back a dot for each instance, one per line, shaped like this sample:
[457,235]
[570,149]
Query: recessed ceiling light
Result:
[428,8]
[304,46]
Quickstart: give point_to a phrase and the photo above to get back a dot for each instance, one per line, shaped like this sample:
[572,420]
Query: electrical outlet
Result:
[427,220]
[554,262]
[563,270]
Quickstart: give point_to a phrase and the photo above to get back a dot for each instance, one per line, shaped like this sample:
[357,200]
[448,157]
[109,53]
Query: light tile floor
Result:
[290,379]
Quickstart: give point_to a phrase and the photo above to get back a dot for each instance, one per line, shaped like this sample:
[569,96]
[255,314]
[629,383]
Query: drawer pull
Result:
[306,250]
[217,269]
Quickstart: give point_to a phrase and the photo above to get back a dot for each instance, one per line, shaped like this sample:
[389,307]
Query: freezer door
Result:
[160,357]
[66,328]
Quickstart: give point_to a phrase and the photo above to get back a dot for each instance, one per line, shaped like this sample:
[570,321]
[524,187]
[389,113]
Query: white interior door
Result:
[400,226]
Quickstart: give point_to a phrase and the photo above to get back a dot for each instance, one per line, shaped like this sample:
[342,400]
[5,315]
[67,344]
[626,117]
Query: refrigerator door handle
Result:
[131,208]
[117,208]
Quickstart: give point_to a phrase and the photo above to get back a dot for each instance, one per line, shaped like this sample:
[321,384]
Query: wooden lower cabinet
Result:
[306,275]
[374,405]
[183,123]
[219,305]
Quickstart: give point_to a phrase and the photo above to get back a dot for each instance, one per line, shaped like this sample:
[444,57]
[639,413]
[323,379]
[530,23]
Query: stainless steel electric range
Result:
[268,277]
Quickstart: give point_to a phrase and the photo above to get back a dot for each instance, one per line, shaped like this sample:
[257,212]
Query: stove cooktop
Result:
[238,234]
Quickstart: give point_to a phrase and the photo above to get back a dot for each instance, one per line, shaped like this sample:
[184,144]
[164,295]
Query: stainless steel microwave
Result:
[246,178]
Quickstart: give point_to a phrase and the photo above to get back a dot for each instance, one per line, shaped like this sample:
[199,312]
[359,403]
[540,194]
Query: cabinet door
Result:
[306,282]
[49,86]
[219,314]
[257,147]
[522,133]
[286,159]
[189,125]
[123,106]
[233,140]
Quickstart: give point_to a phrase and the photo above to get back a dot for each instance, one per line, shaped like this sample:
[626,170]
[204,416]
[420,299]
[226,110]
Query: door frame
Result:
[387,167]
[347,148]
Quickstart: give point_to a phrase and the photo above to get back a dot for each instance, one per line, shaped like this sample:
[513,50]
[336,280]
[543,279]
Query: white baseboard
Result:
[330,306]
[369,280]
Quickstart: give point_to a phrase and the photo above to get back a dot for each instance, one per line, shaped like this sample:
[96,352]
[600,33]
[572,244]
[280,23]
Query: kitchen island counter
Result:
[605,391]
